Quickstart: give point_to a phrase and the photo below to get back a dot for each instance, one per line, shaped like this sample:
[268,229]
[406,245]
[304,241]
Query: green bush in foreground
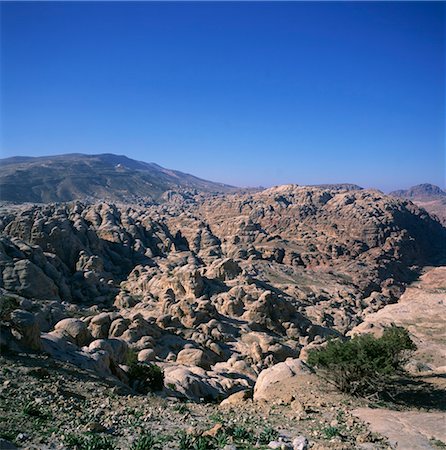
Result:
[364,365]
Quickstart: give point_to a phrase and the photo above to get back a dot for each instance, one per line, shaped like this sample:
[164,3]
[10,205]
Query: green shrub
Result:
[240,433]
[267,435]
[33,410]
[145,378]
[330,432]
[364,365]
[188,441]
[144,442]
[89,442]
[191,441]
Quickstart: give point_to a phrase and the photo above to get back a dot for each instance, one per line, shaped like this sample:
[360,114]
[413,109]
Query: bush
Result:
[364,365]
[145,378]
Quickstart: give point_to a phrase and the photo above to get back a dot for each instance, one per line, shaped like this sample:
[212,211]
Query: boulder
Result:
[100,324]
[29,280]
[278,373]
[117,349]
[237,398]
[194,357]
[228,269]
[192,383]
[76,330]
[147,355]
[25,329]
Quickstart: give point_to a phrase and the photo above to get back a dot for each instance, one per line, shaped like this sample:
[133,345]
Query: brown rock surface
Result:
[414,430]
[422,310]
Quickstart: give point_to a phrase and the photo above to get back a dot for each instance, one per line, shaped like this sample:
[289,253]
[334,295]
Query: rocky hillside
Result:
[221,291]
[214,288]
[92,177]
[427,196]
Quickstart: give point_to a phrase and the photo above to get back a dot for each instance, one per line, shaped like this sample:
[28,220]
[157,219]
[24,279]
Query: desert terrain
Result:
[226,291]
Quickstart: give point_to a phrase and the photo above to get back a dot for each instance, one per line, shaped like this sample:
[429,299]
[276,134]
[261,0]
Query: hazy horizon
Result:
[247,94]
[236,186]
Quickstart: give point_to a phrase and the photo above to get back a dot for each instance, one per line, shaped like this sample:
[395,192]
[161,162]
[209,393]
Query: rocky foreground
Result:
[217,290]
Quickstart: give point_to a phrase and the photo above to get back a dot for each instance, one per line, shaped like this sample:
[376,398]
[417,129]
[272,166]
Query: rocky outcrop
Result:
[219,287]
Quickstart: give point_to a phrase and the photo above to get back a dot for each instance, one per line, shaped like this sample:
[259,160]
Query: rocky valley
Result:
[225,290]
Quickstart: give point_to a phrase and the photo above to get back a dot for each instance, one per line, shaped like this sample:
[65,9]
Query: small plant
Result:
[216,417]
[145,378]
[8,435]
[330,432]
[144,442]
[221,440]
[267,435]
[73,440]
[240,433]
[364,365]
[181,408]
[188,441]
[89,442]
[33,410]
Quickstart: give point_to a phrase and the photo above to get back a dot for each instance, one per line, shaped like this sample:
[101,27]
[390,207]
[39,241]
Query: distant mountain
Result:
[424,191]
[97,177]
[427,196]
[339,186]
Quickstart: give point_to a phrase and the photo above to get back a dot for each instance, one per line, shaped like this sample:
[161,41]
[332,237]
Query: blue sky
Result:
[243,93]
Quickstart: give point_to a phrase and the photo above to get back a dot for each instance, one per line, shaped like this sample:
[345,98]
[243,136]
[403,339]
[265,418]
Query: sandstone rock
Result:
[100,324]
[76,330]
[278,373]
[228,269]
[300,443]
[147,355]
[26,329]
[238,282]
[194,357]
[237,398]
[29,280]
[192,383]
[117,349]
[59,348]
[280,445]
[406,429]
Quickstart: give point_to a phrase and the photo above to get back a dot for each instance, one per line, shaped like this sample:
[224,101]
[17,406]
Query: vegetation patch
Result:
[144,378]
[364,365]
[89,442]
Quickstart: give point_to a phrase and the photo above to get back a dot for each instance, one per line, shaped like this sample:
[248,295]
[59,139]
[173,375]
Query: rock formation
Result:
[214,288]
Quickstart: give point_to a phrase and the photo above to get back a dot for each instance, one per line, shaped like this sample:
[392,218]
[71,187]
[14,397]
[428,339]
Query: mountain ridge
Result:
[98,177]
[427,196]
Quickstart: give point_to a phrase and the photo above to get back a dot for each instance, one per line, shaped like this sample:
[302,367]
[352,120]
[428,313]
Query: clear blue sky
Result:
[243,93]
